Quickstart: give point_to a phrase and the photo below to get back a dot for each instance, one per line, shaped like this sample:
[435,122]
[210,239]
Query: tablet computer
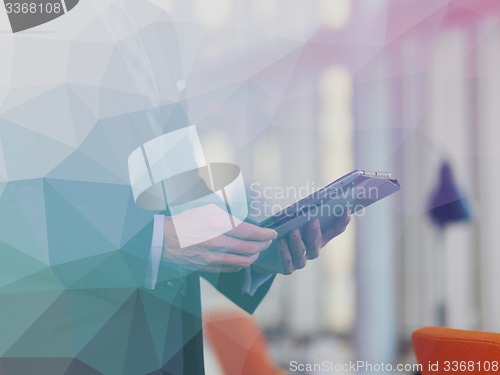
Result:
[352,192]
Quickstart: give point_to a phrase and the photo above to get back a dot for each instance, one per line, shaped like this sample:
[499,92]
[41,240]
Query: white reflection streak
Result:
[136,58]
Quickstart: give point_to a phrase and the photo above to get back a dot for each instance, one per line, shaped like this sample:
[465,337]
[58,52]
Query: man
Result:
[74,247]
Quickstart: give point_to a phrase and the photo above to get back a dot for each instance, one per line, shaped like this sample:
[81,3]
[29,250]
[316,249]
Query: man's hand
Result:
[229,252]
[296,248]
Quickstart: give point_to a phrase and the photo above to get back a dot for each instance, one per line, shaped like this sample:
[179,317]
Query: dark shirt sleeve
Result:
[231,285]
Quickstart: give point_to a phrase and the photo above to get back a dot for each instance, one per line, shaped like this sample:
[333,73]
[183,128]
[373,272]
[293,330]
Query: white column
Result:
[376,306]
[450,128]
[489,179]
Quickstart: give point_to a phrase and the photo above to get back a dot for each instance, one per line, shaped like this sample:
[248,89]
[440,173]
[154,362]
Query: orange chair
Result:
[239,344]
[452,351]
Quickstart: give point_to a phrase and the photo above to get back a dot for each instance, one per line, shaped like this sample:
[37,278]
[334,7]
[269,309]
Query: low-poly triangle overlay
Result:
[74,248]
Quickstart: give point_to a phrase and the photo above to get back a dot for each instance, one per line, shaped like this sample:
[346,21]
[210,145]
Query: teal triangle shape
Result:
[107,349]
[91,309]
[22,323]
[103,205]
[50,335]
[73,274]
[16,265]
[157,313]
[141,354]
[43,280]
[70,235]
[112,272]
[22,223]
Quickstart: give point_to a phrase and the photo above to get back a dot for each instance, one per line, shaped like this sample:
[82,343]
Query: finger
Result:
[313,239]
[247,231]
[336,228]
[286,258]
[231,260]
[297,249]
[234,245]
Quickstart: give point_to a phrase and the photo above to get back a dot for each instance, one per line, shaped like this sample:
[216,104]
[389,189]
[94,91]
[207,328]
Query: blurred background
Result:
[299,93]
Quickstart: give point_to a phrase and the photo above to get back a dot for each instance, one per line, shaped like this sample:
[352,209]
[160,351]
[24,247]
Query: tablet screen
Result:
[354,191]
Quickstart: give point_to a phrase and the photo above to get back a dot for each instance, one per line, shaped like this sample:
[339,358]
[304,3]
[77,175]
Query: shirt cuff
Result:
[156,251]
[254,280]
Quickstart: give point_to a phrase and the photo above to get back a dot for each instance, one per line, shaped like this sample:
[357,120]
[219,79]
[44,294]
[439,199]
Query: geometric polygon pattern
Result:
[74,247]
[77,96]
